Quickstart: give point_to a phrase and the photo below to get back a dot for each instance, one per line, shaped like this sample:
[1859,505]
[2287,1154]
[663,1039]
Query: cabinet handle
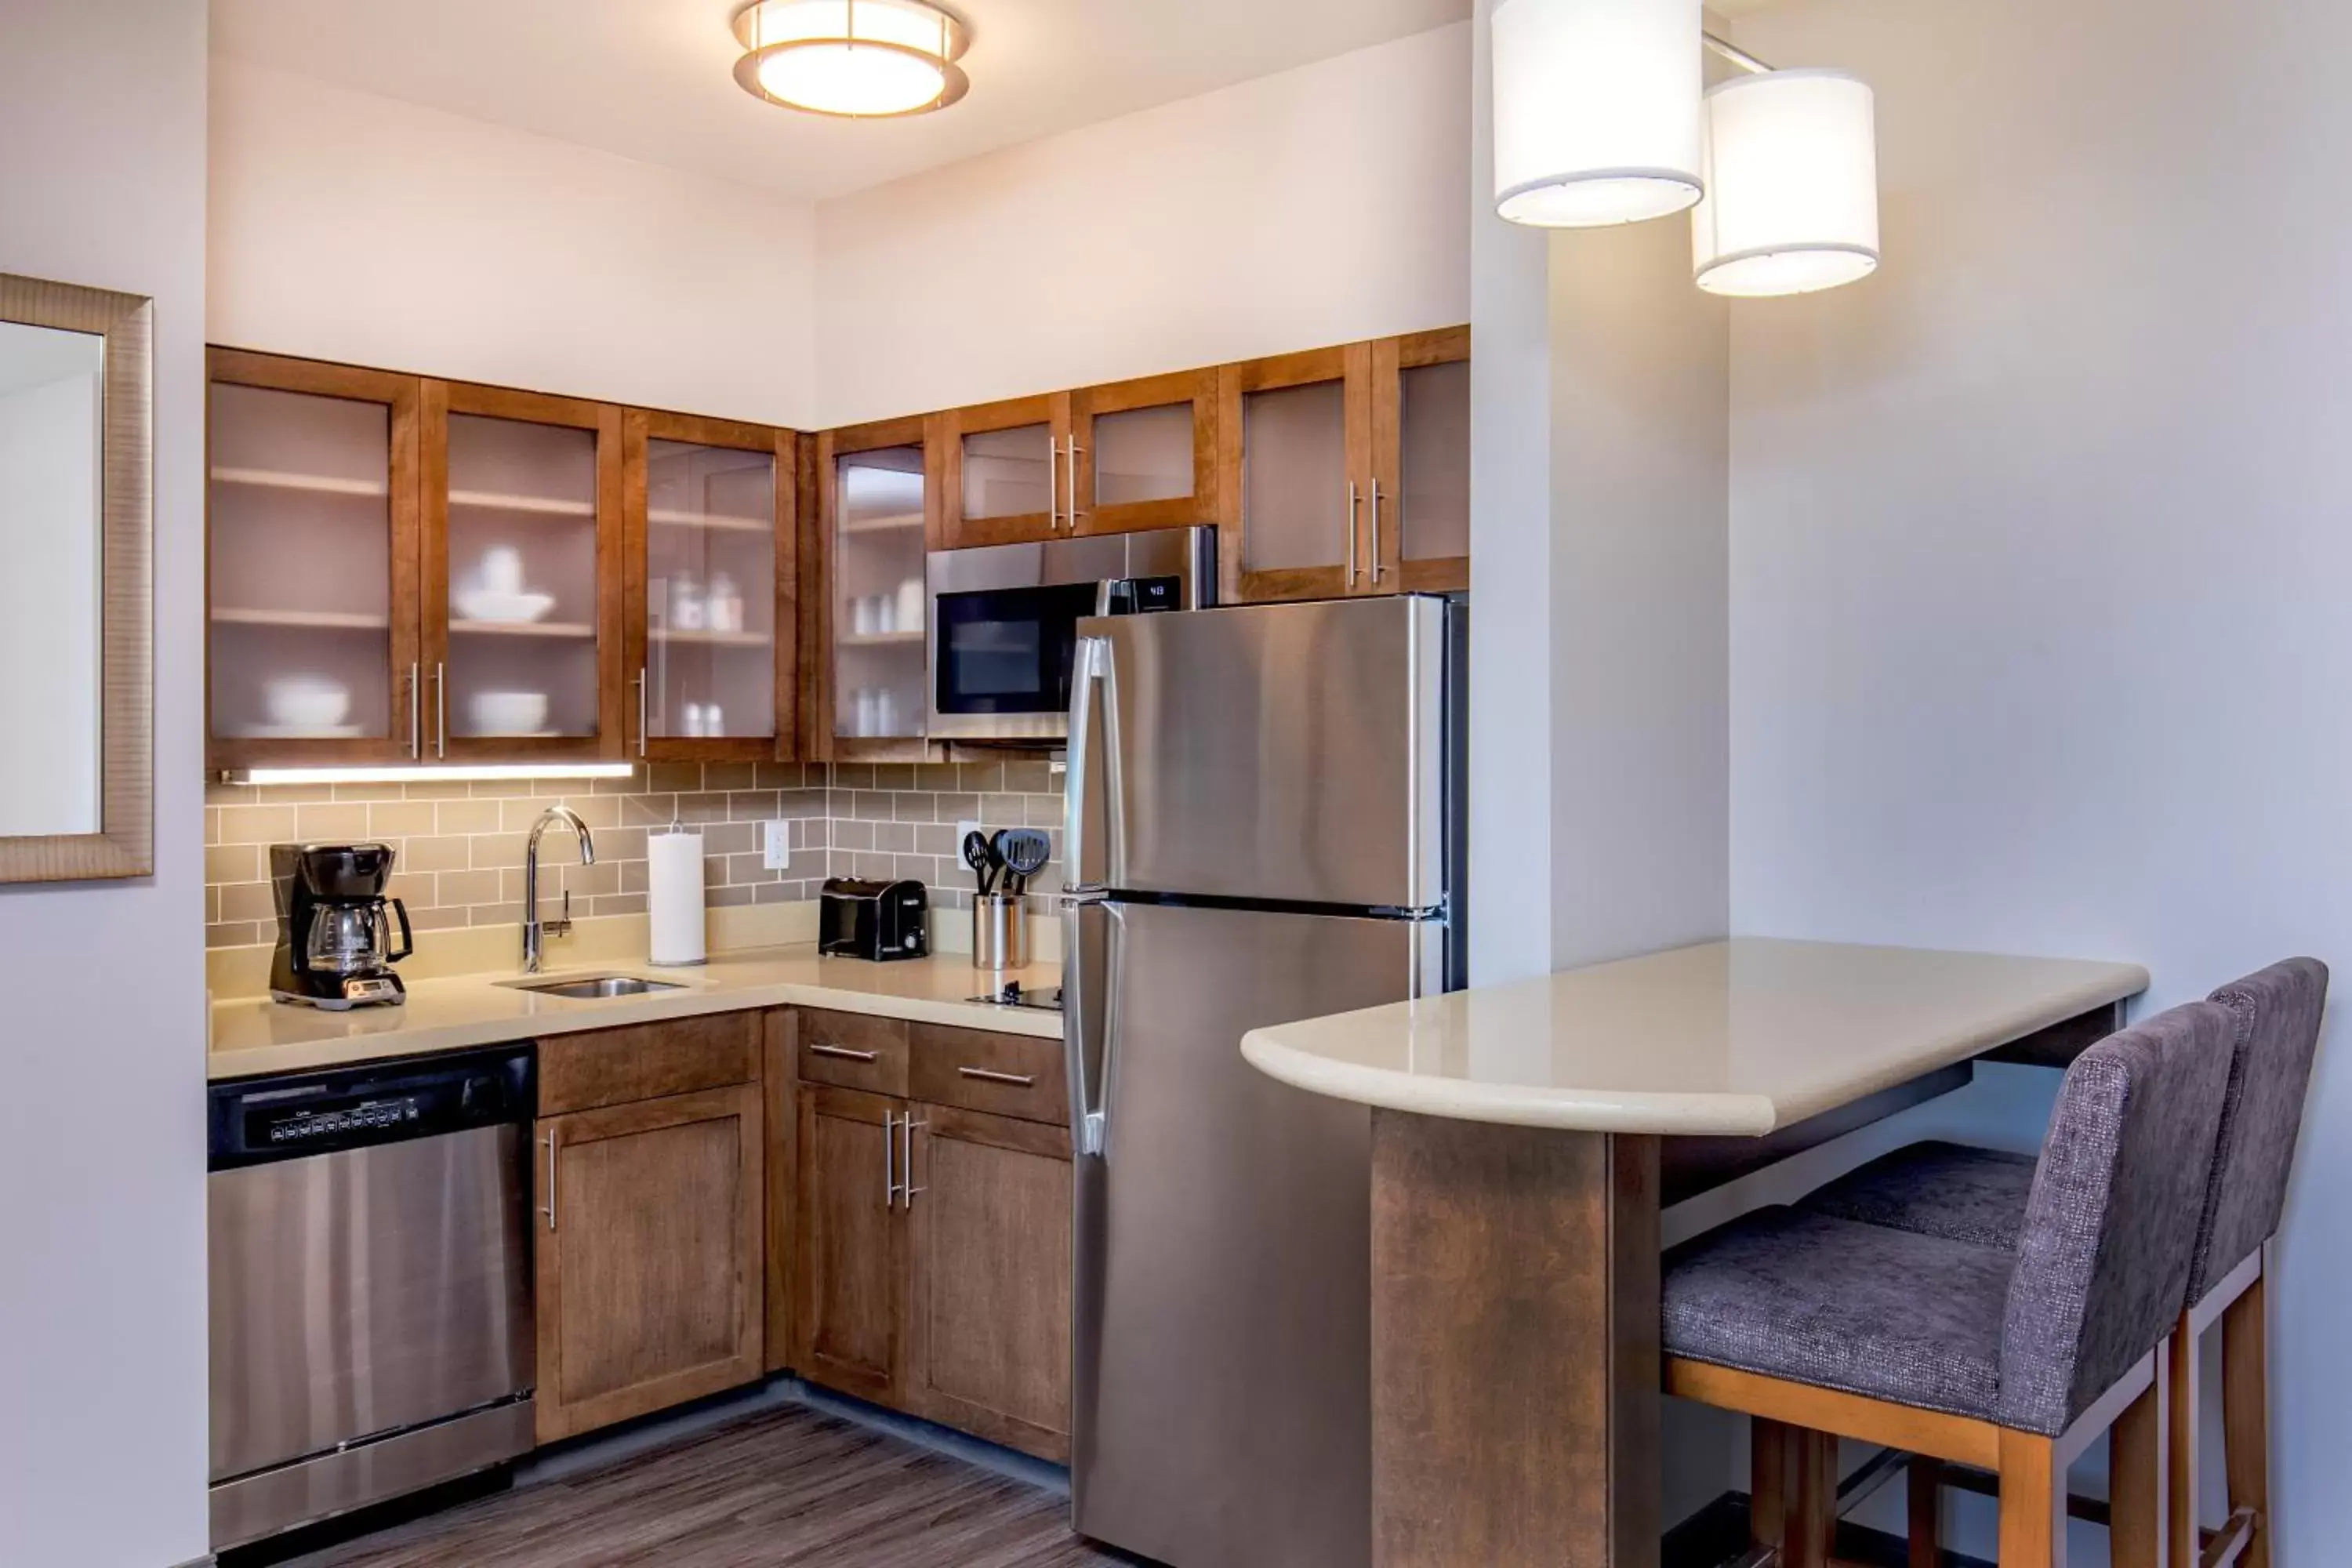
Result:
[1354,506]
[1053,484]
[906,1188]
[844,1052]
[440,711]
[643,729]
[1074,512]
[1017,1079]
[415,712]
[1376,533]
[549,1210]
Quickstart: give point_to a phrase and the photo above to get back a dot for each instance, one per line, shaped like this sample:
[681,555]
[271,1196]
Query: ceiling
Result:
[650,78]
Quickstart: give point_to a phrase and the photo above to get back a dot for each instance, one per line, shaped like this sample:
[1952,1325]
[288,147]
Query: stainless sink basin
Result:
[592,987]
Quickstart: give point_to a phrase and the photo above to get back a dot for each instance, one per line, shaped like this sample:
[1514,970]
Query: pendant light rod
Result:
[1736,55]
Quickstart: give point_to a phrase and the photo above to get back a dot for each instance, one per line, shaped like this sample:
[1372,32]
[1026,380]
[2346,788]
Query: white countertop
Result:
[258,1036]
[1734,1038]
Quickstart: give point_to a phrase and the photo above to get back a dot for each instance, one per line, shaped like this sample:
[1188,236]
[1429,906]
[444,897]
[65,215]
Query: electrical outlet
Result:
[967,826]
[778,843]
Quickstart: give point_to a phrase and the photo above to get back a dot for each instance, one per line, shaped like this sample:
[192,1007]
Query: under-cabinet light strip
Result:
[485,773]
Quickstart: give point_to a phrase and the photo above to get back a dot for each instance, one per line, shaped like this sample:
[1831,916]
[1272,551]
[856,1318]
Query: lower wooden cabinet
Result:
[850,1247]
[988,1319]
[649,1256]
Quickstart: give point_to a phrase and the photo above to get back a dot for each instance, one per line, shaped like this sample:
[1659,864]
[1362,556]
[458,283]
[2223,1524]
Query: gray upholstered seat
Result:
[2029,1338]
[1979,1195]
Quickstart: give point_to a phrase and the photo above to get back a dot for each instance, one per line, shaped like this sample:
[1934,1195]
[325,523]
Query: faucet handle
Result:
[562,924]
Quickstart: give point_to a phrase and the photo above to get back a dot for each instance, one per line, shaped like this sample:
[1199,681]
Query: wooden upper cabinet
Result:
[1006,479]
[1421,446]
[1294,472]
[1142,454]
[312,537]
[712,633]
[878,505]
[648,1254]
[523,575]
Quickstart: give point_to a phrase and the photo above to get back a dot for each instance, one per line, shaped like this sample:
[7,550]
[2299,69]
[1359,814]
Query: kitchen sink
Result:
[592,987]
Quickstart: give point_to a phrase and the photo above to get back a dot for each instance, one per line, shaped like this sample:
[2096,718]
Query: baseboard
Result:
[207,1561]
[1718,1534]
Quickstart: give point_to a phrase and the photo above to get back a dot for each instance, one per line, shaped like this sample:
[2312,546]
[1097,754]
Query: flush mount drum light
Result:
[861,60]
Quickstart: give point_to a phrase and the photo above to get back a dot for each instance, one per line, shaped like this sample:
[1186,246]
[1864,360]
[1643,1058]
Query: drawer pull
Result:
[1017,1079]
[844,1052]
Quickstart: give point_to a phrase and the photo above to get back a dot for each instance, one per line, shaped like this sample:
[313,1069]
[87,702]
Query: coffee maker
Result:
[334,927]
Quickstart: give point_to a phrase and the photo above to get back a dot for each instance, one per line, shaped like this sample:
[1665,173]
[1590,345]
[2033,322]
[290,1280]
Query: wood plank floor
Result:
[790,1486]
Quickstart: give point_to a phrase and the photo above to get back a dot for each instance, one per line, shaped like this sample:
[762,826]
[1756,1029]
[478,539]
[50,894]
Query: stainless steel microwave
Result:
[1004,621]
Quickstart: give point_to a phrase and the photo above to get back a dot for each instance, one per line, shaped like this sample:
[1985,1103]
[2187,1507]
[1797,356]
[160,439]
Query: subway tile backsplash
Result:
[460,845]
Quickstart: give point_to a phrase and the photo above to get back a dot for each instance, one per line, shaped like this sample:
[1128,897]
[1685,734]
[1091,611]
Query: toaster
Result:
[873,921]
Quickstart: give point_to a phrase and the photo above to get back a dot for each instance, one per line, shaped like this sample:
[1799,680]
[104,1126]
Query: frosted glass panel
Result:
[1435,433]
[1143,454]
[1009,473]
[711,592]
[879,603]
[301,566]
[522,579]
[1295,477]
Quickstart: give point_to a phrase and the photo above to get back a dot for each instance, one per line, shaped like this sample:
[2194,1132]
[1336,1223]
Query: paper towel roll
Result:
[674,880]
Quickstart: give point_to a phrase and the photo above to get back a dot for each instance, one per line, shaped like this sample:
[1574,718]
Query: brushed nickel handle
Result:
[1074,512]
[844,1052]
[415,712]
[549,1210]
[906,1189]
[643,729]
[890,1162]
[1376,533]
[440,711]
[1053,484]
[1354,506]
[1017,1079]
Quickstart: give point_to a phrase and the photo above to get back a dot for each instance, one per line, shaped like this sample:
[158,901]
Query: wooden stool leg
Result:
[1926,1511]
[1813,1525]
[2185,1396]
[2245,1412]
[1767,1482]
[2032,1502]
[2137,1503]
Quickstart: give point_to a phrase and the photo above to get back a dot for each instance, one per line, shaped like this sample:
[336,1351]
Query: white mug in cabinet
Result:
[910,604]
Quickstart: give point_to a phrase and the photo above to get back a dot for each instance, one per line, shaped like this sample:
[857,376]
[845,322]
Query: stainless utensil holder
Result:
[1000,932]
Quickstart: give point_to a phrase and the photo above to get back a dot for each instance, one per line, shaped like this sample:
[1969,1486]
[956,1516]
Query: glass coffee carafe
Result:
[354,939]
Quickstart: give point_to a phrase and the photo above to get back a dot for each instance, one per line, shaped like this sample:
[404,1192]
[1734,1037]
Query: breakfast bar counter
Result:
[1525,1137]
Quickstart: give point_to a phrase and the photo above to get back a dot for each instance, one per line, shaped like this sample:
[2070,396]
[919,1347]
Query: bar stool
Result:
[1979,1196]
[2015,1362]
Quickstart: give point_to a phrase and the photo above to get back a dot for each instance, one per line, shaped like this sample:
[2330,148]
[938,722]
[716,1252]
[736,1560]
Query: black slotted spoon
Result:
[981,857]
[1026,852]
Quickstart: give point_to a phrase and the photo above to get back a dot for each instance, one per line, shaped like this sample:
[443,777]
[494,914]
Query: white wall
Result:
[349,227]
[1319,205]
[2040,560]
[102,1415]
[49,536]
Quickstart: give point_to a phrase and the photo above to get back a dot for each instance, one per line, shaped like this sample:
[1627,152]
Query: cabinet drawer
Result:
[851,1050]
[648,1061]
[1005,1075]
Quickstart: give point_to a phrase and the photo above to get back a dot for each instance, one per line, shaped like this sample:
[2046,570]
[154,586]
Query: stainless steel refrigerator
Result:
[1266,809]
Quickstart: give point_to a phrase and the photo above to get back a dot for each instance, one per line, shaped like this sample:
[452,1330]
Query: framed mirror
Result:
[77,539]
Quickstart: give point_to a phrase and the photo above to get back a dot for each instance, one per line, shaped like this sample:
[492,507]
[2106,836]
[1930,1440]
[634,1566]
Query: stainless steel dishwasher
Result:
[372,1327]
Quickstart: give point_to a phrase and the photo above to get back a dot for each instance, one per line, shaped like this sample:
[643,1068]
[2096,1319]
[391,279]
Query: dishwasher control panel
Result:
[261,1119]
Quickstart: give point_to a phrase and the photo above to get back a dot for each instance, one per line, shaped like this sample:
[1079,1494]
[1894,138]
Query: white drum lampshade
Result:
[1596,110]
[1792,173]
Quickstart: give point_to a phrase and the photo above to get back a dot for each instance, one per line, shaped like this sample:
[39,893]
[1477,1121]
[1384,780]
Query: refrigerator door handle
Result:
[1090,1050]
[1092,688]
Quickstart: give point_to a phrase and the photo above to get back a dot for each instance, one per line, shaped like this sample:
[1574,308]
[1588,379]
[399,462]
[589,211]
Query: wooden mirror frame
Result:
[124,844]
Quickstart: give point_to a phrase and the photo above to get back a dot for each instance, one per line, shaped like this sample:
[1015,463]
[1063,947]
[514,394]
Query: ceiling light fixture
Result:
[1792,169]
[1596,110]
[860,59]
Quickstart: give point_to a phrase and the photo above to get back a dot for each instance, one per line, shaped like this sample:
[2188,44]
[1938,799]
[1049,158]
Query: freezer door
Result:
[1285,753]
[1220,1398]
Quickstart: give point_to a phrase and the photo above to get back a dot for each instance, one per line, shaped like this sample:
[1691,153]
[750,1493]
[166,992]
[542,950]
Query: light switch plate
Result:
[777,841]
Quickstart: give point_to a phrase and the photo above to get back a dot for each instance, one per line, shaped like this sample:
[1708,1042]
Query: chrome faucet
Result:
[534,932]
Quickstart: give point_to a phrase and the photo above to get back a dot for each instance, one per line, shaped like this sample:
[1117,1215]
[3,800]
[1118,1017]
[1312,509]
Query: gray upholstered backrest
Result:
[2278,1034]
[2103,1263]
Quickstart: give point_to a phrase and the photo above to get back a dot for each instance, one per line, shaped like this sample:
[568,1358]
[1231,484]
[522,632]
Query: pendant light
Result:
[1596,110]
[855,59]
[1792,173]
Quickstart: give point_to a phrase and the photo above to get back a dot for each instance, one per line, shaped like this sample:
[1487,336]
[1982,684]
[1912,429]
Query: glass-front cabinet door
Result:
[312,526]
[1006,478]
[1419,516]
[877,497]
[711,632]
[1143,454]
[1296,468]
[523,574]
